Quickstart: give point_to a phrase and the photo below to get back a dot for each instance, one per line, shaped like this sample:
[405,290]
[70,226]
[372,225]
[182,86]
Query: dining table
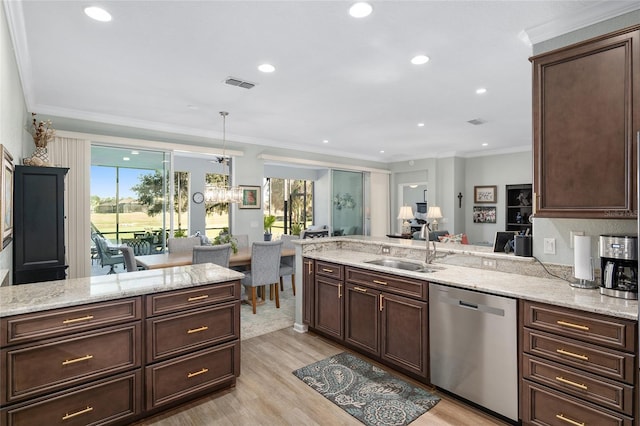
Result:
[166,260]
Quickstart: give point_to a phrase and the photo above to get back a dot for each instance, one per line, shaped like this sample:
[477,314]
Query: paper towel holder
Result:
[583,269]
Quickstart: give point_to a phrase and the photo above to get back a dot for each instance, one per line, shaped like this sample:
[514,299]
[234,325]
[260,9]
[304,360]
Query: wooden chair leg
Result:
[293,283]
[277,296]
[270,291]
[264,293]
[281,285]
[254,297]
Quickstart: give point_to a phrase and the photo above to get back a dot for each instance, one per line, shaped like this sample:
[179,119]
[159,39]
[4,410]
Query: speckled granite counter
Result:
[24,298]
[535,287]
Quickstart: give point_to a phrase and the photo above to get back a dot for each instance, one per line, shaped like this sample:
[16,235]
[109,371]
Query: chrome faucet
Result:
[424,233]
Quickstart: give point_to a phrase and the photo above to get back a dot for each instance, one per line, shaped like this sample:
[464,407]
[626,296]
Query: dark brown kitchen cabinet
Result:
[586,115]
[38,246]
[329,306]
[362,318]
[308,290]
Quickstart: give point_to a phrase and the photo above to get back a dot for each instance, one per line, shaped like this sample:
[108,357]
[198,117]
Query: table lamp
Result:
[406,214]
[434,213]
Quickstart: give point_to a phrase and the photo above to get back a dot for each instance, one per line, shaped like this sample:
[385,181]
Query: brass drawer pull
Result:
[571,354]
[569,382]
[193,299]
[77,413]
[572,325]
[310,270]
[381,297]
[568,420]
[328,270]
[197,373]
[197,330]
[71,321]
[360,289]
[380,282]
[73,361]
[339,291]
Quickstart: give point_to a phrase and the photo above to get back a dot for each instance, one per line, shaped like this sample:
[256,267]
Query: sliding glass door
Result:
[347,211]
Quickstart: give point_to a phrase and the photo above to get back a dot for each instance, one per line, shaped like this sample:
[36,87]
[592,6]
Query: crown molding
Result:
[591,14]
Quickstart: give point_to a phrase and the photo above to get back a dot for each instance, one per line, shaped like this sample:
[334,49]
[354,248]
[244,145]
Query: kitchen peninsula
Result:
[571,348]
[112,349]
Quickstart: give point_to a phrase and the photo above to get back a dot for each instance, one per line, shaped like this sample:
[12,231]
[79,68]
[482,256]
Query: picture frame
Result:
[250,197]
[6,197]
[485,194]
[484,214]
[502,238]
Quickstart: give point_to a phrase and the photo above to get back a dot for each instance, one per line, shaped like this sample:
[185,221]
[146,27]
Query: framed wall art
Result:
[485,194]
[250,197]
[483,214]
[6,196]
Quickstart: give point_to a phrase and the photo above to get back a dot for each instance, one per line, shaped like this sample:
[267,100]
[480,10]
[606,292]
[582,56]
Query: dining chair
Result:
[129,256]
[107,256]
[287,263]
[265,269]
[218,254]
[140,247]
[242,240]
[316,234]
[179,245]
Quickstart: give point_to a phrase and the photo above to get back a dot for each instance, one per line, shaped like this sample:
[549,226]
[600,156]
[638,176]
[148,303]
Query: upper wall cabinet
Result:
[586,108]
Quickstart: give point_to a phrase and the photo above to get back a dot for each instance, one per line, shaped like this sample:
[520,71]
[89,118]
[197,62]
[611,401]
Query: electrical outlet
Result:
[573,234]
[489,263]
[549,246]
[386,249]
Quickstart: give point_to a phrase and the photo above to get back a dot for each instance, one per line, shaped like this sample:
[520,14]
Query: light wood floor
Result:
[267,393]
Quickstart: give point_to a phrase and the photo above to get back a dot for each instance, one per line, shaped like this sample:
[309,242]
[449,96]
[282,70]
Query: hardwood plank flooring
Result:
[267,393]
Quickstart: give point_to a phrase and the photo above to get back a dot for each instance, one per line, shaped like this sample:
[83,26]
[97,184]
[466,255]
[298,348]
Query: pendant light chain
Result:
[223,193]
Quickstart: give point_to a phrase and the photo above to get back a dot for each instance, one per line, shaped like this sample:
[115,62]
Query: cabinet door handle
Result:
[197,330]
[360,289]
[380,282]
[561,416]
[381,296]
[571,354]
[572,325]
[572,383]
[71,321]
[328,270]
[310,270]
[193,299]
[197,373]
[339,291]
[77,413]
[73,361]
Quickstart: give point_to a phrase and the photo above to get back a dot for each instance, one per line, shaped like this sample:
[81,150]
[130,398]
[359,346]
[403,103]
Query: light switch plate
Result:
[549,246]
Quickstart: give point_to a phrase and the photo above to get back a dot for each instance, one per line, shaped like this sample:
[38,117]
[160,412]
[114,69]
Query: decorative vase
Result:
[40,157]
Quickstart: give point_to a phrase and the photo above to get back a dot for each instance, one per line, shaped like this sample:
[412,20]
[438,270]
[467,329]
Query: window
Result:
[291,201]
[217,214]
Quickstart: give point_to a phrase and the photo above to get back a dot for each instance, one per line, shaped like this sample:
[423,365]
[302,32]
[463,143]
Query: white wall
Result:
[13,113]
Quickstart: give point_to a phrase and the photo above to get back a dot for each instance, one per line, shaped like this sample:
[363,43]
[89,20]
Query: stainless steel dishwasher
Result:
[473,347]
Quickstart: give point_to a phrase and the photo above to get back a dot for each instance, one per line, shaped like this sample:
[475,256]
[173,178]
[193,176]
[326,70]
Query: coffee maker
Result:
[619,266]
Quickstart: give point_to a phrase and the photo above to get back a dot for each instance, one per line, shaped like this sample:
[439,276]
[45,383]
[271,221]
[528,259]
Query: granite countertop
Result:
[546,290]
[25,298]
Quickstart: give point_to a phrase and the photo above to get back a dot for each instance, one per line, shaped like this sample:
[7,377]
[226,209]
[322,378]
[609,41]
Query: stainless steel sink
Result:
[402,264]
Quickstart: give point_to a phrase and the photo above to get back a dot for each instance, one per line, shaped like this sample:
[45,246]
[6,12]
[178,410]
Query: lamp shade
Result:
[434,212]
[405,213]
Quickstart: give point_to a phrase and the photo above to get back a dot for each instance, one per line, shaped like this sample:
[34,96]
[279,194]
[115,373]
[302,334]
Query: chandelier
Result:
[221,193]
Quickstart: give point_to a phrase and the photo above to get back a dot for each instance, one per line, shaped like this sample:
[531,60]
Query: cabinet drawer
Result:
[615,333]
[176,301]
[605,362]
[608,393]
[177,378]
[400,285]
[28,327]
[543,406]
[113,400]
[171,335]
[54,364]
[332,270]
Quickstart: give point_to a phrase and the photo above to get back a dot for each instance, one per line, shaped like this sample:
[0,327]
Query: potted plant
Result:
[268,223]
[225,237]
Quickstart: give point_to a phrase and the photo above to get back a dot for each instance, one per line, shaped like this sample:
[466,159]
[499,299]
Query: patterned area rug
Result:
[268,318]
[365,391]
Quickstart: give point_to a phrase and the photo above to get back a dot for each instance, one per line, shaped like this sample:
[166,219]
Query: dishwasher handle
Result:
[467,304]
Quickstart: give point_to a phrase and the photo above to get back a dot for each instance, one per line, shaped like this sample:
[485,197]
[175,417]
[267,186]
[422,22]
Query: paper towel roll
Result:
[582,263]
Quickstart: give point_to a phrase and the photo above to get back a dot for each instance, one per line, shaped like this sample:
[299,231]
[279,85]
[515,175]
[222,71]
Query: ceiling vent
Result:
[233,81]
[477,121]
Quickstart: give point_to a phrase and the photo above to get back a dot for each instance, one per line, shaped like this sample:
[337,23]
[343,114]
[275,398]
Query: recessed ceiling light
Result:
[97,13]
[125,158]
[325,141]
[485,144]
[134,153]
[419,59]
[420,124]
[413,186]
[266,68]
[360,10]
[382,151]
[481,91]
